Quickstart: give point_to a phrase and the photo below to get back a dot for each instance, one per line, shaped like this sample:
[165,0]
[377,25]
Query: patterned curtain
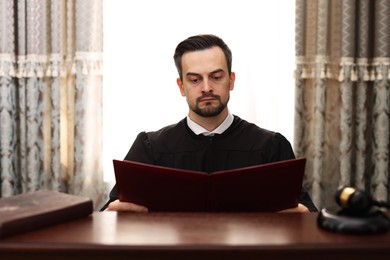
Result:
[50,97]
[342,96]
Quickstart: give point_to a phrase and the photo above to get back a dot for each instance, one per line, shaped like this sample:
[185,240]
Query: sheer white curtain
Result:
[139,83]
[51,97]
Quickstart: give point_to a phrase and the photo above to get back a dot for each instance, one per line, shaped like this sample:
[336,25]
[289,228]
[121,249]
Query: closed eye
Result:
[217,76]
[194,80]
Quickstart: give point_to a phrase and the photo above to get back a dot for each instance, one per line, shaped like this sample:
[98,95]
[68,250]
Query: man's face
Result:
[206,83]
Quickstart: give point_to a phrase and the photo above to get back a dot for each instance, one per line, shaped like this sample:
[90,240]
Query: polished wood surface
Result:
[111,235]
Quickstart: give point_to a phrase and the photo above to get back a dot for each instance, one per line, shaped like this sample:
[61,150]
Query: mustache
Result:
[208,95]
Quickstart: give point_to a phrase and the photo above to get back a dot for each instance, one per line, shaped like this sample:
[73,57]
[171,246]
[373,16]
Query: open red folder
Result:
[267,187]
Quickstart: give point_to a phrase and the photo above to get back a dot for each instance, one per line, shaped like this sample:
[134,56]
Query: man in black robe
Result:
[210,138]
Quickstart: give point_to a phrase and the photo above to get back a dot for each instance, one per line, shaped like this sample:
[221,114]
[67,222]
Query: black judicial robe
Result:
[242,144]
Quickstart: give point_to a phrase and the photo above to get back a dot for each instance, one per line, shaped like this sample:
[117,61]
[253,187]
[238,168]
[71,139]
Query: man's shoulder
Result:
[245,125]
[273,145]
[167,131]
[254,132]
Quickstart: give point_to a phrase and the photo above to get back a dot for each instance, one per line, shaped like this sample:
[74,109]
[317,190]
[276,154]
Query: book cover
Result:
[267,187]
[37,209]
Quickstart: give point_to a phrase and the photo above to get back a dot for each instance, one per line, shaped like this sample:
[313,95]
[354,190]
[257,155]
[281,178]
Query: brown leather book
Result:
[267,187]
[37,209]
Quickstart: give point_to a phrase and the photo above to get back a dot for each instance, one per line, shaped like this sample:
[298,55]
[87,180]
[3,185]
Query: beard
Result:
[209,110]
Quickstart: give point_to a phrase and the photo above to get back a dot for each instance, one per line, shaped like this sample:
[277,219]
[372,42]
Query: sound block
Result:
[342,221]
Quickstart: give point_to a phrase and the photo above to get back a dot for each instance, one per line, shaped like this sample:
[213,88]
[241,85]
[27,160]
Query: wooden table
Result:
[111,235]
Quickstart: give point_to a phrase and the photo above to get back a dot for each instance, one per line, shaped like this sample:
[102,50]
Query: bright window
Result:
[140,91]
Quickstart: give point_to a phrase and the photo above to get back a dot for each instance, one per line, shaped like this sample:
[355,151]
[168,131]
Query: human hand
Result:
[117,205]
[299,209]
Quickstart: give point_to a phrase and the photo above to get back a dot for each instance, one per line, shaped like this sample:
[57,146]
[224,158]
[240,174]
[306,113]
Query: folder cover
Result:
[37,209]
[261,188]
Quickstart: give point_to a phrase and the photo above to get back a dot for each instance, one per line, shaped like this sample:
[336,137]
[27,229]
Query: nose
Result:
[207,87]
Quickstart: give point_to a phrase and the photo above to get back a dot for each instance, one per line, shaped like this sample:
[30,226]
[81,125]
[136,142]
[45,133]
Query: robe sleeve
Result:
[140,151]
[284,151]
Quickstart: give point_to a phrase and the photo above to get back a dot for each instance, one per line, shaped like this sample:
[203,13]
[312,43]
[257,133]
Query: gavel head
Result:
[353,200]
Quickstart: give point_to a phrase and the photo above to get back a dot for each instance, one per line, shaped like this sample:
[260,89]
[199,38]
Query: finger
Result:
[126,206]
[299,209]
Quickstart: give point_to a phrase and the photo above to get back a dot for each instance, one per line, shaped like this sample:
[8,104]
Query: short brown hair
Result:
[201,42]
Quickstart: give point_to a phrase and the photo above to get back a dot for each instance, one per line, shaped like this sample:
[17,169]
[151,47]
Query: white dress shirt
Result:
[197,129]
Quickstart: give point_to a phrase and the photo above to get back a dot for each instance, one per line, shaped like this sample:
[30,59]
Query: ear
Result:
[232,79]
[179,83]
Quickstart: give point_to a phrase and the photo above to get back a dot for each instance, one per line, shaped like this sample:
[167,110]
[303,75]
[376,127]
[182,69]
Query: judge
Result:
[210,138]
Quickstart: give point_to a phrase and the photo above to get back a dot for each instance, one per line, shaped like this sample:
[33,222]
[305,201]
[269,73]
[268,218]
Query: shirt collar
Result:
[197,129]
